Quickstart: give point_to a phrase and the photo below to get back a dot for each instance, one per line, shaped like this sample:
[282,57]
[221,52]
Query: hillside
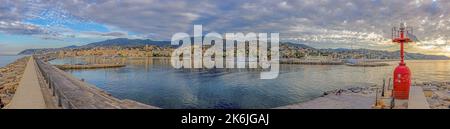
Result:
[290,48]
[119,42]
[124,42]
[386,54]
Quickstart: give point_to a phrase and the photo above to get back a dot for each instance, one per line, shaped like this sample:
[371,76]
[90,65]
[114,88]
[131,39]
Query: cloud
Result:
[166,17]
[323,23]
[114,34]
[20,28]
[143,17]
[13,14]
[105,34]
[11,10]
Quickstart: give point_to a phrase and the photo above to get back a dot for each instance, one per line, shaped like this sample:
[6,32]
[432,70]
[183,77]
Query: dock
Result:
[417,99]
[334,102]
[89,66]
[44,86]
[28,94]
[367,64]
[311,62]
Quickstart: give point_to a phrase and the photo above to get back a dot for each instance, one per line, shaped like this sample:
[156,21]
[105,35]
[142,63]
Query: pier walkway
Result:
[335,102]
[44,86]
[28,94]
[417,99]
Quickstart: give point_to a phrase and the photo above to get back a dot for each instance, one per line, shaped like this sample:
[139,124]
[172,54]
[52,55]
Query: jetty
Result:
[310,61]
[367,64]
[351,98]
[88,66]
[28,94]
[44,86]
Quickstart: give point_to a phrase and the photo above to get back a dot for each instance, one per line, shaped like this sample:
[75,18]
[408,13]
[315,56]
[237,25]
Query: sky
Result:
[318,23]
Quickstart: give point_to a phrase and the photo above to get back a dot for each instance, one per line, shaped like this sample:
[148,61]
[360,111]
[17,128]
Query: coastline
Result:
[8,59]
[351,98]
[10,76]
[64,91]
[90,66]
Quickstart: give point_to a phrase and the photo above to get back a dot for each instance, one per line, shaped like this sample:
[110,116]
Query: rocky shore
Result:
[364,91]
[10,76]
[437,94]
[350,98]
[90,66]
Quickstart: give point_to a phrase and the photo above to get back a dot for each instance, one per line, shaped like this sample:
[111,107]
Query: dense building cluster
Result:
[146,51]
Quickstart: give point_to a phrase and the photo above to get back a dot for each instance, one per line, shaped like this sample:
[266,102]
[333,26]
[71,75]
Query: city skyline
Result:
[321,24]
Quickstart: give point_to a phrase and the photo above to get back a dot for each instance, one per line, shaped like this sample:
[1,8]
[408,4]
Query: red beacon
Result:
[402,74]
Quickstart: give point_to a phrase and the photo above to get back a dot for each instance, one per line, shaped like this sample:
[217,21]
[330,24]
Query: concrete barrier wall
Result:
[71,93]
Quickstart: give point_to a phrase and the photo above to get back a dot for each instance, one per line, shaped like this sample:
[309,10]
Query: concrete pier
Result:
[91,66]
[28,94]
[417,99]
[44,86]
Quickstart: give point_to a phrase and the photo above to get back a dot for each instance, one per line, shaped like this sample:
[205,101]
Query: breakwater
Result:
[56,89]
[311,62]
[10,75]
[89,66]
[71,93]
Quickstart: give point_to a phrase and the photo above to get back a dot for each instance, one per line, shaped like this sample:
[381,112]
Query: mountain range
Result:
[118,42]
[124,42]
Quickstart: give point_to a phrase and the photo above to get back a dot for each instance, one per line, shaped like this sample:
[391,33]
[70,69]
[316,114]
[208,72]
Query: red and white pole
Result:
[402,74]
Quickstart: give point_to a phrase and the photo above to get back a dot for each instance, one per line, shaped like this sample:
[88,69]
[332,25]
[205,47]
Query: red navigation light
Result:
[402,74]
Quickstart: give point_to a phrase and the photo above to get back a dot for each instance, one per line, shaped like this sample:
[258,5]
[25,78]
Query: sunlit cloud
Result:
[320,23]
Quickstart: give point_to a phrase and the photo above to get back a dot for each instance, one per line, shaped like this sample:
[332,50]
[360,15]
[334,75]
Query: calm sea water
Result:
[153,81]
[5,60]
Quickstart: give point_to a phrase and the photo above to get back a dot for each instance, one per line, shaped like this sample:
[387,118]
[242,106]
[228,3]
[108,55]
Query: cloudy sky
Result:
[319,23]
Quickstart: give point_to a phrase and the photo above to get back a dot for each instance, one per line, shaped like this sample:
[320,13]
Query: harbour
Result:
[195,89]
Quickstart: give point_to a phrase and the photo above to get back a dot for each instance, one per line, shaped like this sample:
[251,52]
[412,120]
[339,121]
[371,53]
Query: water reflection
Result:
[155,82]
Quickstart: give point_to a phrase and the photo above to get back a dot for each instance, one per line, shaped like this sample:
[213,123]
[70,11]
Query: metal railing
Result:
[71,93]
[61,100]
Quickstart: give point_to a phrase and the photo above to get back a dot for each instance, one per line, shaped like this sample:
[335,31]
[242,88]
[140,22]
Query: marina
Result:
[194,89]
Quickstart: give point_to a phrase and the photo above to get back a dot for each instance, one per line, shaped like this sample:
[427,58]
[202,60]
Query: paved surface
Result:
[28,94]
[76,94]
[335,102]
[71,92]
[417,99]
